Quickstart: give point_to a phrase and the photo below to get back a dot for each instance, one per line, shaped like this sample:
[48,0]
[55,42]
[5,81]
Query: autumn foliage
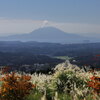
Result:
[66,83]
[5,69]
[15,87]
[95,84]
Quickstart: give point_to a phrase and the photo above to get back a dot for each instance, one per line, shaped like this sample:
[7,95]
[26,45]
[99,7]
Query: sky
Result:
[71,16]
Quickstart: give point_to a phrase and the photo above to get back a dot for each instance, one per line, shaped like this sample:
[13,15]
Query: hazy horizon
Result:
[70,16]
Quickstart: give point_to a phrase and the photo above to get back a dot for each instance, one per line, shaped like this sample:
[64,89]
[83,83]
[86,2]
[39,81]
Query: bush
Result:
[95,84]
[68,81]
[15,87]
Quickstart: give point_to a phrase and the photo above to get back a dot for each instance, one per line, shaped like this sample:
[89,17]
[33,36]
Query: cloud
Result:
[8,26]
[45,23]
[78,28]
[19,26]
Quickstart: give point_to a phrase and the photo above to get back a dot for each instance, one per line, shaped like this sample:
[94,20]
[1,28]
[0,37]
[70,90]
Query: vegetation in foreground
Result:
[68,82]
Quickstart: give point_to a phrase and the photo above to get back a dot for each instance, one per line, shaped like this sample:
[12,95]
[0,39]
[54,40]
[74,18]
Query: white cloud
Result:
[78,28]
[45,23]
[12,26]
[18,26]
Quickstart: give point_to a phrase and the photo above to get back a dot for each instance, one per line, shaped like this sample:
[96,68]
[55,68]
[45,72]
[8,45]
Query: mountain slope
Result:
[46,34]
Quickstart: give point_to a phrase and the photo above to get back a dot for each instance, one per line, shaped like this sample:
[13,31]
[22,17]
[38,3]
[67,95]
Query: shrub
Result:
[5,70]
[95,84]
[15,87]
[68,81]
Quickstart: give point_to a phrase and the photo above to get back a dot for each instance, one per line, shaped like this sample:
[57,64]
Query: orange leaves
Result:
[95,78]
[15,87]
[26,77]
[5,70]
[95,84]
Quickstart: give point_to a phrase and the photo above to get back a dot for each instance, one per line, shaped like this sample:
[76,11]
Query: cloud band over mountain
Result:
[13,26]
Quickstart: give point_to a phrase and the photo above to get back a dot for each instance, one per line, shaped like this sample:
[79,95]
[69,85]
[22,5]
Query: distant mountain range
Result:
[48,34]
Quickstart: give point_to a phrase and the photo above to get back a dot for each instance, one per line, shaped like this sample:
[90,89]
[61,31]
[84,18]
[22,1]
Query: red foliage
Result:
[5,70]
[95,84]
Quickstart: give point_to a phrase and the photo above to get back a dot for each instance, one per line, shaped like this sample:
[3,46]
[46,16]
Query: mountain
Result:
[92,35]
[46,34]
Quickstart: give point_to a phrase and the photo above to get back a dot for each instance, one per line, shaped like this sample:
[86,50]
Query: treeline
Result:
[10,59]
[20,53]
[54,49]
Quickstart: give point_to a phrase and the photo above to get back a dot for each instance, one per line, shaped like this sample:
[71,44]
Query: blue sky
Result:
[57,12]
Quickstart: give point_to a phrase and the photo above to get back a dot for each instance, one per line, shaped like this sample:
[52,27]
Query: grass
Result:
[63,57]
[34,96]
[66,83]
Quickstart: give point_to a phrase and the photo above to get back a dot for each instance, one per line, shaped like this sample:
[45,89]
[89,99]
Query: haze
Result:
[71,16]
